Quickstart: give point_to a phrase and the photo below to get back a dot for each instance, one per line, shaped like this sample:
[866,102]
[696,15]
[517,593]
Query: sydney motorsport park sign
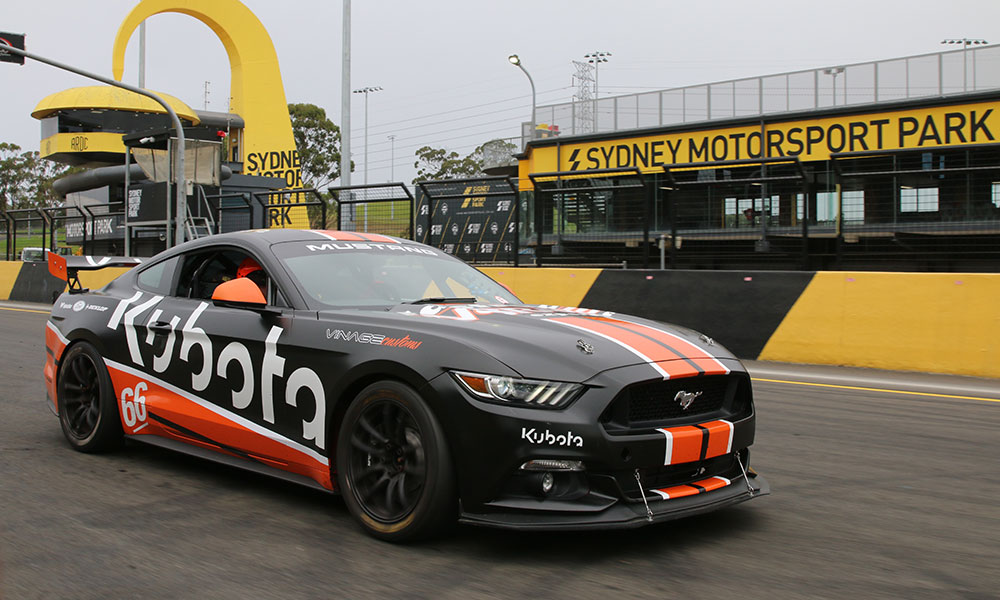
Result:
[807,139]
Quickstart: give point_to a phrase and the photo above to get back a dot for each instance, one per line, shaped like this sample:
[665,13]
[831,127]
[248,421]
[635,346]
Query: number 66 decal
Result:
[134,406]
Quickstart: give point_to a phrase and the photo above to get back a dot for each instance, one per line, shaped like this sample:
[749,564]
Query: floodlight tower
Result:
[596,58]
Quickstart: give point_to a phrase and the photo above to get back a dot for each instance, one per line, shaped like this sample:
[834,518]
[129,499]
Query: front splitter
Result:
[623,515]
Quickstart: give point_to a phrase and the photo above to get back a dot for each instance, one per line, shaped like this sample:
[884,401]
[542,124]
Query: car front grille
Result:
[651,404]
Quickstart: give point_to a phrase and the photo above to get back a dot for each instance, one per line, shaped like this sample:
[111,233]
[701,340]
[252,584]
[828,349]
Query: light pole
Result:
[179,182]
[392,171]
[516,61]
[966,42]
[596,58]
[366,91]
[834,71]
[392,157]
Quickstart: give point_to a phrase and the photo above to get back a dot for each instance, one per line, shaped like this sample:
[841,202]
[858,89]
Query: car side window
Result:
[201,273]
[158,277]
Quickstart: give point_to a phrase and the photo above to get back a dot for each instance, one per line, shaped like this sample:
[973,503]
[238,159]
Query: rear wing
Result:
[66,267]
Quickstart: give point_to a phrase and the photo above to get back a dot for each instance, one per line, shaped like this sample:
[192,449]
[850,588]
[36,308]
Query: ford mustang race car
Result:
[402,378]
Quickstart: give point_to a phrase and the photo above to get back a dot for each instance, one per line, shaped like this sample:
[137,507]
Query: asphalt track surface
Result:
[885,485]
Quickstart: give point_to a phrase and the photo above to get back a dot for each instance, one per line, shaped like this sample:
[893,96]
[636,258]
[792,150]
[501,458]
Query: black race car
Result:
[404,379]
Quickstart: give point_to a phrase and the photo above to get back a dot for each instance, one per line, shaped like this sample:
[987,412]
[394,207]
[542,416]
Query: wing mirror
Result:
[239,293]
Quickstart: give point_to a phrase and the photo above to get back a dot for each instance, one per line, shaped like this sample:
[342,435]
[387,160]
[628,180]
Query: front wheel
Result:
[87,410]
[394,466]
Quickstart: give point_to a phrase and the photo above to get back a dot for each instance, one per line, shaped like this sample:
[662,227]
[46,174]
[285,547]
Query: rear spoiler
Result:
[66,268]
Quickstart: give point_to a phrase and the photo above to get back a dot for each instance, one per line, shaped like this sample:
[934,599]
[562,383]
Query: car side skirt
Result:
[230,460]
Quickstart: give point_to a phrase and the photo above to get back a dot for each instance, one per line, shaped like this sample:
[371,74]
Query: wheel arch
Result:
[77,337]
[357,379]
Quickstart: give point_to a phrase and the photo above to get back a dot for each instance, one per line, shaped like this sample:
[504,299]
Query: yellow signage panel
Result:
[807,139]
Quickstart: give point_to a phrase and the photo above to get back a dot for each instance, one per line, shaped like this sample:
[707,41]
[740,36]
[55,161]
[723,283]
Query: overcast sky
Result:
[443,65]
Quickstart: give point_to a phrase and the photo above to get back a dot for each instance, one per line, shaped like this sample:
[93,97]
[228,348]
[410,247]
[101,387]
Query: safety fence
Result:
[385,208]
[906,211]
[934,74]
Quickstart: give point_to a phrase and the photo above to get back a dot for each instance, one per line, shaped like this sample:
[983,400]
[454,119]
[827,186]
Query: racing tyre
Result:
[87,409]
[393,465]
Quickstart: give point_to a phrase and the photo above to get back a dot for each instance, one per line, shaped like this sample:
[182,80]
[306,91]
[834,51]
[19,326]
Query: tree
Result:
[26,178]
[437,163]
[318,141]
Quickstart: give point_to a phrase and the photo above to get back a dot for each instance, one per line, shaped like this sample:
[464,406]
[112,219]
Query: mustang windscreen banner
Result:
[467,220]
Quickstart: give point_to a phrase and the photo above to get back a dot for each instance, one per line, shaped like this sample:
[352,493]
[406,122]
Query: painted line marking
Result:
[880,390]
[41,312]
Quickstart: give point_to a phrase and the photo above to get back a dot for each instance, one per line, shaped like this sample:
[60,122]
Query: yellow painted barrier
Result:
[8,275]
[95,280]
[565,287]
[931,322]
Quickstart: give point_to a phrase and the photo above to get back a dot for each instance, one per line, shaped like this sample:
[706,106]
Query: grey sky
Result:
[443,63]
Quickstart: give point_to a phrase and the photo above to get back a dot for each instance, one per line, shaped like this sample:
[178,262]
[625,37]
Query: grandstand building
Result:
[885,165]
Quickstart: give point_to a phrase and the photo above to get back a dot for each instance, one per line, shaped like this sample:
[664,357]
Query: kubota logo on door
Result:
[232,365]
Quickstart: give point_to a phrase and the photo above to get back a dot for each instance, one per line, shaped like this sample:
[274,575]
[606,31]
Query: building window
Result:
[854,206]
[826,206]
[918,199]
[995,195]
[744,211]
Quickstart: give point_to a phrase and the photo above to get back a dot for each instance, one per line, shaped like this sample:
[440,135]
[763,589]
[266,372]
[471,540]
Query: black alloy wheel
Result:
[394,465]
[387,466]
[87,411]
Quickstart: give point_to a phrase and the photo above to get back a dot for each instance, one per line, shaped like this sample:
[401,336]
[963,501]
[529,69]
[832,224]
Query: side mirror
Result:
[239,293]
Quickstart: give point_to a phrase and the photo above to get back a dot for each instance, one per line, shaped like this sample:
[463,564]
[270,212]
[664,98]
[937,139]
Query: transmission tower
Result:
[584,105]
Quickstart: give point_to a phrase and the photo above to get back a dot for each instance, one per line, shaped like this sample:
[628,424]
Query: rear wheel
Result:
[87,410]
[394,466]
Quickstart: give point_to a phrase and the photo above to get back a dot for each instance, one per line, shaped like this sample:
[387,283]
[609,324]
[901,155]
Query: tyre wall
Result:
[927,322]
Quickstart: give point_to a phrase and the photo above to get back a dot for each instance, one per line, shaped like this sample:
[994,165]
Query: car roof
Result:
[262,238]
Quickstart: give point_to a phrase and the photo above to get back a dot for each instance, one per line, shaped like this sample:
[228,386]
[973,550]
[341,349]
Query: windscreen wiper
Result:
[442,300]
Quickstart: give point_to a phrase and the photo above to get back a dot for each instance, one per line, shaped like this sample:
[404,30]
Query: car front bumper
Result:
[698,466]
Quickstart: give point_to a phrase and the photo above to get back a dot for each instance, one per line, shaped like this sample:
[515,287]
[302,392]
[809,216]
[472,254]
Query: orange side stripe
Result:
[213,426]
[664,357]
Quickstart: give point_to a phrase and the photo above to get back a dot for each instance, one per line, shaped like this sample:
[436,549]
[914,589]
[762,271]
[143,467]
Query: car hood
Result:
[555,343]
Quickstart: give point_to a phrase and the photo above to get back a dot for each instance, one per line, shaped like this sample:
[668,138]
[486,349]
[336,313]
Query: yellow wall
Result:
[939,323]
[8,275]
[565,287]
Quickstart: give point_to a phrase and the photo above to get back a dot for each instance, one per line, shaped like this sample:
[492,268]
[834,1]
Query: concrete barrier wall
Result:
[32,282]
[927,322]
[937,323]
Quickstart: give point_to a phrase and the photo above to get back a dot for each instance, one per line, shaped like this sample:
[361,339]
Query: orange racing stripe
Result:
[705,361]
[720,438]
[691,489]
[683,444]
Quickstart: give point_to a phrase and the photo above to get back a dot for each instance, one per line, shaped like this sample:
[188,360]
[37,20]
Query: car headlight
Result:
[523,392]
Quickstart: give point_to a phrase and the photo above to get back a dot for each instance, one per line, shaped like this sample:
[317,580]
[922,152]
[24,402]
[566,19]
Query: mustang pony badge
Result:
[686,398]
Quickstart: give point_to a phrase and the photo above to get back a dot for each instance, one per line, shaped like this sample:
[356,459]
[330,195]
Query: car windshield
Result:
[33,255]
[369,274]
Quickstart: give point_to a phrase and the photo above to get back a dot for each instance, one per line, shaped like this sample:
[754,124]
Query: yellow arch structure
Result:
[257,92]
